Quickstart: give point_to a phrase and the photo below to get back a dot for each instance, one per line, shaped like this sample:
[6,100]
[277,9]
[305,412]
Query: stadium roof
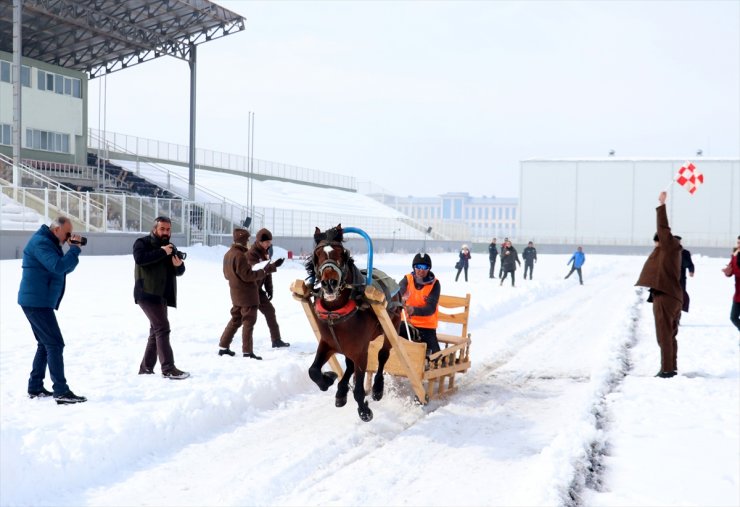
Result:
[103,36]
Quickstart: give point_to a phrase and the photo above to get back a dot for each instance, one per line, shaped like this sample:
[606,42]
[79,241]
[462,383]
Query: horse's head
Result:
[331,263]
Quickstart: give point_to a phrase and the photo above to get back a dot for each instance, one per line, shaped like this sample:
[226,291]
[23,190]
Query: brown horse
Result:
[346,322]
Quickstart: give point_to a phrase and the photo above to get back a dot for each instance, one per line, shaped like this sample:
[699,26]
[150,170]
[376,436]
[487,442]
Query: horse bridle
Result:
[330,264]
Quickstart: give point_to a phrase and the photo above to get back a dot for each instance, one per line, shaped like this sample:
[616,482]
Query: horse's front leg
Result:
[343,385]
[378,382]
[322,379]
[359,390]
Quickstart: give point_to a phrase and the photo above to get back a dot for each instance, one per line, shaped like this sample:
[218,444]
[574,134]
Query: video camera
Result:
[81,242]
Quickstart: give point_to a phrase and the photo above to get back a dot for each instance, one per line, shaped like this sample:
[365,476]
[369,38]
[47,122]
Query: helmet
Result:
[422,258]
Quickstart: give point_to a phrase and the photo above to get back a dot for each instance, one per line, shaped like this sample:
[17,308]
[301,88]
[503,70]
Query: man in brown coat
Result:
[244,288]
[662,274]
[257,253]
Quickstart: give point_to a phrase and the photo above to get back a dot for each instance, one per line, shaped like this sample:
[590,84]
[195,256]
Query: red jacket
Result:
[735,270]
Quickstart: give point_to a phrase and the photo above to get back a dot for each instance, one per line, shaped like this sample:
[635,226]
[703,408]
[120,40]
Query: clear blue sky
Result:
[428,97]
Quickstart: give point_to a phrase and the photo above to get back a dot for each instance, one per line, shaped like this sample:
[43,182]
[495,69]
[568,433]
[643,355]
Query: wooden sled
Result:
[430,377]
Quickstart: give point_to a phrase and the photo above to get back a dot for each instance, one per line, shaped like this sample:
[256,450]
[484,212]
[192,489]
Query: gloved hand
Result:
[269,294]
[270,268]
[279,262]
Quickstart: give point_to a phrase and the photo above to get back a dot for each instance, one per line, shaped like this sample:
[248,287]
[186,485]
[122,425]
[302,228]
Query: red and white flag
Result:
[689,178]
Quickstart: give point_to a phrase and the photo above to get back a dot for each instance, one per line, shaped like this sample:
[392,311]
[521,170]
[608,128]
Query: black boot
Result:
[226,352]
[252,355]
[280,343]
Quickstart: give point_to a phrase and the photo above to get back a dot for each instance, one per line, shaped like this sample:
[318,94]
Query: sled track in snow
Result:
[591,476]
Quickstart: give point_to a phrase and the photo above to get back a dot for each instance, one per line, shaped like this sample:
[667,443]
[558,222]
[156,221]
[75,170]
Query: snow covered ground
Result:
[559,408]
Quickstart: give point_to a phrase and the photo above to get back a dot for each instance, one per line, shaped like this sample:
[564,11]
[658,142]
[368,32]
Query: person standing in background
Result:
[662,275]
[733,268]
[530,257]
[686,265]
[578,258]
[260,251]
[501,269]
[492,253]
[509,260]
[244,283]
[45,268]
[462,264]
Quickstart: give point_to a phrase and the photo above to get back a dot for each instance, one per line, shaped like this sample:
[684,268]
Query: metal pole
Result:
[191,162]
[17,117]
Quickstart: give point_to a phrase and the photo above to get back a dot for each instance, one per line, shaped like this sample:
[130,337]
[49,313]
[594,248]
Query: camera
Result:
[81,242]
[178,253]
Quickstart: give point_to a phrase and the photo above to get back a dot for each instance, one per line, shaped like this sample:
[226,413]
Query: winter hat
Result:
[264,235]
[241,236]
[465,247]
[422,258]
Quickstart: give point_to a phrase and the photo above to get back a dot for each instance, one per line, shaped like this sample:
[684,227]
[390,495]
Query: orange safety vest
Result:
[418,297]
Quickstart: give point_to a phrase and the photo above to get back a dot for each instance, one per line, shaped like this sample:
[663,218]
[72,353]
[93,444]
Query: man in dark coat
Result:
[244,283]
[492,254]
[509,260]
[155,288]
[661,274]
[45,268]
[686,265]
[259,252]
[530,257]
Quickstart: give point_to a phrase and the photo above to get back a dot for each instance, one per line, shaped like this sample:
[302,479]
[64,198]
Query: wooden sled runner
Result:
[430,377]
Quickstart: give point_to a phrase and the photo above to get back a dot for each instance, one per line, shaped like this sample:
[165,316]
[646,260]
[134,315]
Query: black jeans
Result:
[427,335]
[528,266]
[49,348]
[158,344]
[580,276]
[491,272]
[735,315]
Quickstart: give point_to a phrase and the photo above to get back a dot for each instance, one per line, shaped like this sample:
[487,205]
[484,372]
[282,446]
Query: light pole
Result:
[393,241]
[424,248]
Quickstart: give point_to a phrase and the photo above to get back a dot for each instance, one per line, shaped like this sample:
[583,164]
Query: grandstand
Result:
[53,164]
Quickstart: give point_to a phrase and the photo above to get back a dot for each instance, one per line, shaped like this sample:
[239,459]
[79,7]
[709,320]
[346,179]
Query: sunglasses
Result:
[421,266]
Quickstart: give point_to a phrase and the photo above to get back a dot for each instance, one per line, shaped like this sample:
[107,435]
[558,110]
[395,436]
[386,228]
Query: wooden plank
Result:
[377,298]
[301,293]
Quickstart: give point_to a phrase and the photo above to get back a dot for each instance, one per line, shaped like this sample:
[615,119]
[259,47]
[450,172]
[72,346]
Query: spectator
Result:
[686,265]
[45,268]
[155,288]
[733,268]
[420,292]
[501,269]
[463,262]
[244,283]
[257,253]
[578,258]
[509,260]
[530,257]
[492,254]
[662,274]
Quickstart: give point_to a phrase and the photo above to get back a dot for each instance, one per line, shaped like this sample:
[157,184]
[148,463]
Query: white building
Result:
[54,106]
[612,201]
[458,215]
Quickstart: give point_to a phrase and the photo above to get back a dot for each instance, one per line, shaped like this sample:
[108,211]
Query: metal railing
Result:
[162,151]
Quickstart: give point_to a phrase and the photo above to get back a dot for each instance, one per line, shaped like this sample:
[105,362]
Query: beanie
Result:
[422,258]
[264,235]
[241,236]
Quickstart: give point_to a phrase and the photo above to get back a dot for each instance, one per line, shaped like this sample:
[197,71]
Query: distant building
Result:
[458,215]
[612,201]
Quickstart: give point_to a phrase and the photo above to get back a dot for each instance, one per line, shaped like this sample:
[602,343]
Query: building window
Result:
[507,213]
[513,213]
[47,141]
[458,209]
[446,209]
[4,71]
[5,131]
[26,76]
[59,84]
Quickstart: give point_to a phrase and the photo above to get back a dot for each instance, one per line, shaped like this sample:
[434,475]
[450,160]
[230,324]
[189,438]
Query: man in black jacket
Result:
[492,253]
[155,288]
[686,265]
[530,257]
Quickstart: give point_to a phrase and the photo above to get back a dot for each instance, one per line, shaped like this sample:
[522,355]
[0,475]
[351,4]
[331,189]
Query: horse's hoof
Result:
[366,415]
[340,401]
[377,395]
[329,378]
